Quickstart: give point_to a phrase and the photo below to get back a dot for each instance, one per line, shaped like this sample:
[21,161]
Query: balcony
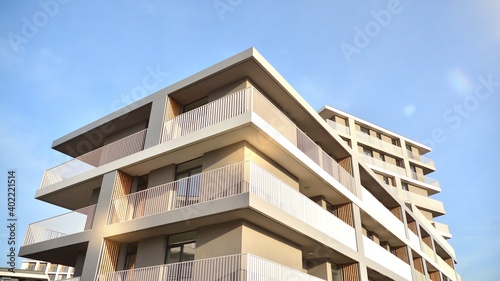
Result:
[382,214]
[426,179]
[235,268]
[383,165]
[378,143]
[342,129]
[244,177]
[444,229]
[95,158]
[447,269]
[251,100]
[425,202]
[71,279]
[419,276]
[422,160]
[62,225]
[383,257]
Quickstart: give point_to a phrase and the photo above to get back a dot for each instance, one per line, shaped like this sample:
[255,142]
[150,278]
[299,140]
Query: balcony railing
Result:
[71,279]
[382,164]
[426,179]
[378,143]
[228,181]
[339,127]
[95,158]
[414,240]
[382,214]
[421,158]
[420,276]
[380,255]
[421,201]
[424,221]
[448,270]
[251,100]
[62,225]
[242,267]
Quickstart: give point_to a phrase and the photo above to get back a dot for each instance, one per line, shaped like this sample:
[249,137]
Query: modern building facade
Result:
[53,271]
[230,175]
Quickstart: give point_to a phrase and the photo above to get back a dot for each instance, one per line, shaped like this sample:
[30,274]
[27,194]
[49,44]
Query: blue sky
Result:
[428,70]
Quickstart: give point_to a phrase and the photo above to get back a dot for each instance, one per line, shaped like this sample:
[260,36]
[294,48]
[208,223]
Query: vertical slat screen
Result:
[350,272]
[344,212]
[109,256]
[346,163]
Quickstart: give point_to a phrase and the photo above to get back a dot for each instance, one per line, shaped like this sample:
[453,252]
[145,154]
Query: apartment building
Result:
[231,175]
[52,271]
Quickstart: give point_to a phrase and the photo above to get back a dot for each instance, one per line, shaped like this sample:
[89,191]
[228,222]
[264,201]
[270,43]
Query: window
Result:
[336,272]
[42,267]
[31,266]
[395,142]
[413,168]
[130,256]
[195,104]
[386,180]
[404,185]
[365,130]
[53,268]
[382,157]
[408,147]
[399,163]
[379,136]
[63,268]
[181,247]
[188,185]
[332,209]
[52,277]
[367,152]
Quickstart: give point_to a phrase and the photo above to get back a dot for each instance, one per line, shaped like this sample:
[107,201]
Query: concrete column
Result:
[91,264]
[363,271]
[156,119]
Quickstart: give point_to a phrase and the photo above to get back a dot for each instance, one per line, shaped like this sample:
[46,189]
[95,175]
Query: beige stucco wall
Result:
[270,246]
[151,251]
[126,132]
[228,89]
[218,240]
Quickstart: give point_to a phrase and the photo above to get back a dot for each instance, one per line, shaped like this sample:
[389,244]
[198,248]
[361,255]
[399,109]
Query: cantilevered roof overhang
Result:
[247,64]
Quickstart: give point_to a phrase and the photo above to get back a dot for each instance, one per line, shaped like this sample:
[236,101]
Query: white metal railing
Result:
[382,214]
[379,143]
[95,158]
[385,258]
[338,127]
[382,164]
[325,161]
[241,267]
[425,179]
[228,181]
[250,99]
[62,225]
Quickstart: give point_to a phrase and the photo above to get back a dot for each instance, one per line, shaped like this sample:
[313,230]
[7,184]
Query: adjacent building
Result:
[231,175]
[52,271]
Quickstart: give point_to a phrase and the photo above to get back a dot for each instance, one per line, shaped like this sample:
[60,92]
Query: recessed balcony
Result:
[59,226]
[342,129]
[378,143]
[422,160]
[385,258]
[244,177]
[424,202]
[235,267]
[95,158]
